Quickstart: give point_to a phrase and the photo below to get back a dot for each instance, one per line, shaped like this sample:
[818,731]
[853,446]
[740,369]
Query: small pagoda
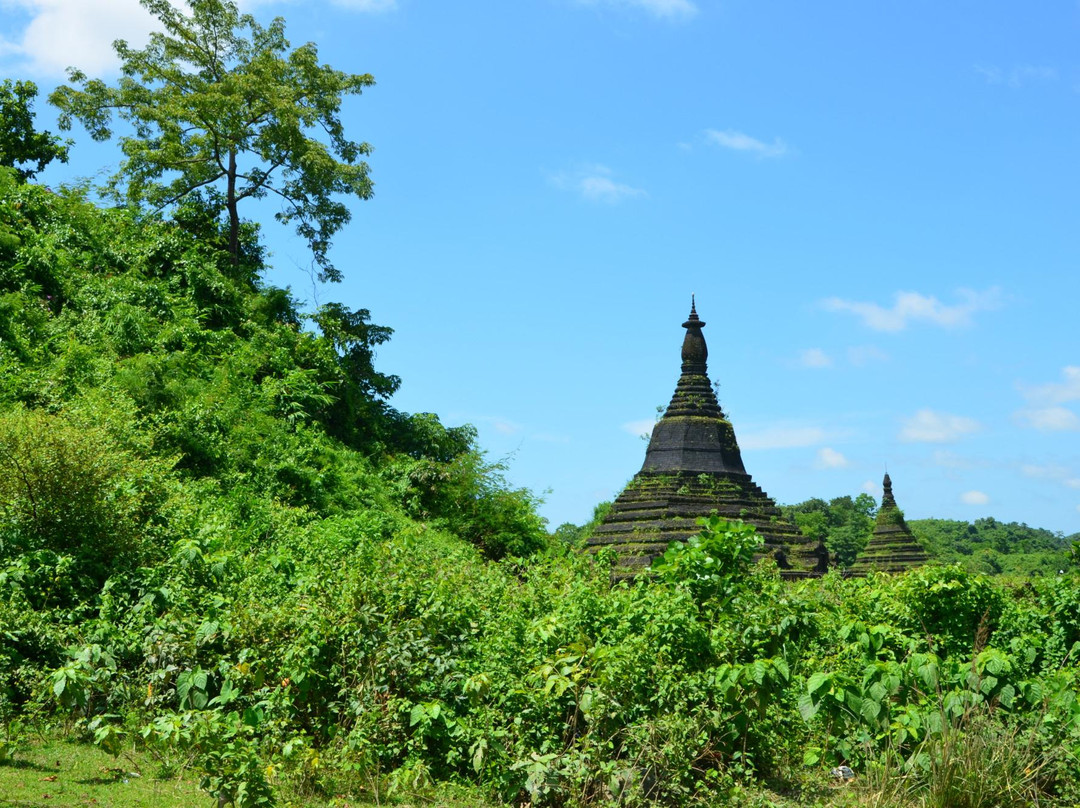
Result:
[892,547]
[693,468]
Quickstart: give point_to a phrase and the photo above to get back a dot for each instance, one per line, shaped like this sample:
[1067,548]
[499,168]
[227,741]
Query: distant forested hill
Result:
[986,546]
[990,546]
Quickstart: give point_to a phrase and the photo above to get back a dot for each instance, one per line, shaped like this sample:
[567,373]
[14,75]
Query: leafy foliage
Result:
[222,111]
[712,562]
[20,144]
[843,524]
[73,499]
[990,546]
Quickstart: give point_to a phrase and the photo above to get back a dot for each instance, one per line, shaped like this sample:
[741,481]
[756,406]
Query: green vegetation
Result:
[229,565]
[843,524]
[21,146]
[221,112]
[994,547]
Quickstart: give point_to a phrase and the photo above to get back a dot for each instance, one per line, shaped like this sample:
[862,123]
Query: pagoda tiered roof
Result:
[892,547]
[693,467]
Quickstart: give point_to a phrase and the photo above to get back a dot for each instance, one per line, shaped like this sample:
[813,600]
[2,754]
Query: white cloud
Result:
[1016,76]
[951,460]
[871,487]
[1050,419]
[77,33]
[1047,414]
[782,437]
[550,437]
[501,425]
[814,358]
[831,459]
[595,184]
[671,9]
[598,188]
[739,141]
[1068,389]
[1050,472]
[989,72]
[974,498]
[363,6]
[927,426]
[1059,474]
[913,307]
[860,355]
[639,428]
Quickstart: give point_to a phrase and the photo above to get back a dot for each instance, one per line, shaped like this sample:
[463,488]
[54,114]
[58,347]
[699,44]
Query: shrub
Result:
[956,610]
[709,562]
[68,489]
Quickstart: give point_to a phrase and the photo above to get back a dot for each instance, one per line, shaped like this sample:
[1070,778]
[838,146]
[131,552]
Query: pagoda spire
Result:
[887,499]
[694,434]
[695,353]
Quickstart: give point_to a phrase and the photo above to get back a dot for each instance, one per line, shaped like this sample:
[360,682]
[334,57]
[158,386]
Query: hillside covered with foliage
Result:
[219,543]
[993,547]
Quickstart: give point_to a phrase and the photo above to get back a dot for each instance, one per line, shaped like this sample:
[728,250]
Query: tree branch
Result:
[186,191]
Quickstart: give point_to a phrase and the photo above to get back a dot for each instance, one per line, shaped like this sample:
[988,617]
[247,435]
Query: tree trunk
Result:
[234,216]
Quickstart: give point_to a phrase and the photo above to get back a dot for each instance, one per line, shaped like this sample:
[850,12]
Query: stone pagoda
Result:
[892,547]
[693,468]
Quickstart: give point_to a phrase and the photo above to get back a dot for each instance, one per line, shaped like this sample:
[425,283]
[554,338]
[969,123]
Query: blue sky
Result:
[876,205]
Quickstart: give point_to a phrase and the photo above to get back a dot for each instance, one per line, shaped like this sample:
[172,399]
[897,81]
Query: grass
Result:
[64,773]
[61,772]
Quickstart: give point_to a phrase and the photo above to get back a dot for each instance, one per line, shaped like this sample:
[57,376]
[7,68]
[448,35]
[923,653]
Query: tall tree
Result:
[221,108]
[20,145]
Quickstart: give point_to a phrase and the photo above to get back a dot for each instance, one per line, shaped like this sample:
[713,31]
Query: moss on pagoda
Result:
[693,468]
[892,546]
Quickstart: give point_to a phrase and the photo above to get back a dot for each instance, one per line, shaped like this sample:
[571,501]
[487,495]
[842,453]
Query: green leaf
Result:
[780,665]
[1007,696]
[417,714]
[877,692]
[253,716]
[817,682]
[758,671]
[870,710]
[478,755]
[808,708]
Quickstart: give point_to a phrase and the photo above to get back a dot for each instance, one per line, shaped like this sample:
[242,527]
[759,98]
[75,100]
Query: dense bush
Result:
[70,489]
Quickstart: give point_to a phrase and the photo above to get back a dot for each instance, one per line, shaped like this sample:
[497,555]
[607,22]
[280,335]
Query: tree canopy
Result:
[843,523]
[223,111]
[20,145]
